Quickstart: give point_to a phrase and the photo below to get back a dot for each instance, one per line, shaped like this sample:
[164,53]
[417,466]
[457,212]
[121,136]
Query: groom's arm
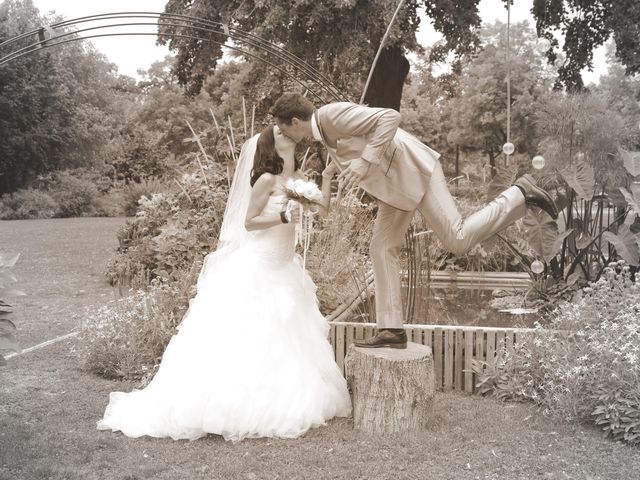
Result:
[379,125]
[327,176]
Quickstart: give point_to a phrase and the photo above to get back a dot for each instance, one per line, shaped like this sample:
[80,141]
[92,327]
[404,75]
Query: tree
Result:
[478,115]
[585,26]
[623,95]
[58,107]
[424,105]
[338,37]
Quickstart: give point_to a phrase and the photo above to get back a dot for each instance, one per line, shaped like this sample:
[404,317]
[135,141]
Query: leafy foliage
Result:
[357,28]
[59,194]
[27,204]
[581,178]
[301,28]
[8,329]
[424,105]
[541,233]
[59,106]
[126,337]
[580,136]
[172,230]
[585,365]
[585,26]
[477,115]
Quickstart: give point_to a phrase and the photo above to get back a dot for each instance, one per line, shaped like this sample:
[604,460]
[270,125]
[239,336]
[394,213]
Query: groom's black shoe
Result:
[386,337]
[536,196]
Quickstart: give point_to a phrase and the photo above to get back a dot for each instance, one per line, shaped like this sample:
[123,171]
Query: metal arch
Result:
[222,28]
[60,41]
[37,47]
[43,42]
[218,29]
[259,42]
[243,36]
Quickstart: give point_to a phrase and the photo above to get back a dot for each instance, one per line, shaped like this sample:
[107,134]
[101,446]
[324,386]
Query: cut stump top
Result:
[414,351]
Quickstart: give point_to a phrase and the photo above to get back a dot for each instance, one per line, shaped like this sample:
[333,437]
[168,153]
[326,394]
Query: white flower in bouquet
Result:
[305,192]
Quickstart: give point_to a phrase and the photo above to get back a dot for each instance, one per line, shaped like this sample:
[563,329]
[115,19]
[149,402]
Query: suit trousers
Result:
[457,235]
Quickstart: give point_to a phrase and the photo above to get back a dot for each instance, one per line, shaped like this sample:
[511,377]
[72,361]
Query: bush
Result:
[69,193]
[27,204]
[160,255]
[585,366]
[76,197]
[131,193]
[127,337]
[171,230]
[111,204]
[338,257]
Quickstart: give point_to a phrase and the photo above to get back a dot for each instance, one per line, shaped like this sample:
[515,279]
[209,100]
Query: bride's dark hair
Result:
[266,159]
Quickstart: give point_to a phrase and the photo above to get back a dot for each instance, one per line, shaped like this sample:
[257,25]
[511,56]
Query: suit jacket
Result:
[401,164]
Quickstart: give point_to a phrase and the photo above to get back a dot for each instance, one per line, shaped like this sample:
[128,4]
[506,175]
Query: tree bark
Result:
[391,389]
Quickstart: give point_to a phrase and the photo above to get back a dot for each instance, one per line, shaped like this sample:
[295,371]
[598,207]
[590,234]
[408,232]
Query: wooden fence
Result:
[453,347]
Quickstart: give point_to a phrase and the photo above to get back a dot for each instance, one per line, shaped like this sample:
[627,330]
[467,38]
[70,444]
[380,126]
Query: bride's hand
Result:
[292,211]
[295,213]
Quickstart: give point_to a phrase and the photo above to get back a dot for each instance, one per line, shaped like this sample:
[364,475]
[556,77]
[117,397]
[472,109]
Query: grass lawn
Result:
[49,406]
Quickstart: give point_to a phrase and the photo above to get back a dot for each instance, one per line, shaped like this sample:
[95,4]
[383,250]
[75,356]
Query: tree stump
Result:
[391,389]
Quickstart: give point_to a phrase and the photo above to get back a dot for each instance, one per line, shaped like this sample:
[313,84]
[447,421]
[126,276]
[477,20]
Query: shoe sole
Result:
[384,345]
[553,214]
[542,191]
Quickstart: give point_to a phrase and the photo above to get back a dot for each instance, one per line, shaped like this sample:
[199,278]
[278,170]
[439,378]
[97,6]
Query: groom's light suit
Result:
[404,175]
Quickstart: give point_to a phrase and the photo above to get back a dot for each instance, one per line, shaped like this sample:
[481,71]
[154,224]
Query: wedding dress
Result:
[251,357]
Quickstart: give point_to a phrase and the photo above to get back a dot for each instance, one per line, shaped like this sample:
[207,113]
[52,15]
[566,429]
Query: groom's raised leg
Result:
[459,235]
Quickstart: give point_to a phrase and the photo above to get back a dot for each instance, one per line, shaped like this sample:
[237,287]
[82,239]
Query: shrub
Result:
[111,204]
[132,193]
[68,193]
[585,366]
[161,250]
[75,196]
[171,230]
[127,337]
[27,204]
[338,254]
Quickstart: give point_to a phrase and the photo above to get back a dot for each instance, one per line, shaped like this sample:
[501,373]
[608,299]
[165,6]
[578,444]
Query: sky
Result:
[131,53]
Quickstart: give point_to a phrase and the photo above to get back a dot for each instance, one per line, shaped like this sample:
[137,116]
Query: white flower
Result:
[302,189]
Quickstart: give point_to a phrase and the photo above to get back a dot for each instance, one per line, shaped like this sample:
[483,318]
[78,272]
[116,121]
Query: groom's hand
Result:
[353,174]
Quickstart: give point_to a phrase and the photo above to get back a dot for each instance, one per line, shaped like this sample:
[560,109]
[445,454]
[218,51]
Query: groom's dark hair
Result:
[292,105]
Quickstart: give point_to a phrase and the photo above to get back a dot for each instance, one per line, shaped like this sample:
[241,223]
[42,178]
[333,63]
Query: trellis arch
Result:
[204,30]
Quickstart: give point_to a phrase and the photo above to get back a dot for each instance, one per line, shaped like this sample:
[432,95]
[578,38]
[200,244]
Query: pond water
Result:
[448,304]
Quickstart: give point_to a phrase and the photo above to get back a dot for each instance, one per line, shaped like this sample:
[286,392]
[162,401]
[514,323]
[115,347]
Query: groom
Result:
[403,175]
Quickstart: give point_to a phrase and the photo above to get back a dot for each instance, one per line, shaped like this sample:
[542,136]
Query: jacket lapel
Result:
[316,116]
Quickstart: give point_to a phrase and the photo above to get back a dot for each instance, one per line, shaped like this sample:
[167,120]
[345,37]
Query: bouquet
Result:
[305,192]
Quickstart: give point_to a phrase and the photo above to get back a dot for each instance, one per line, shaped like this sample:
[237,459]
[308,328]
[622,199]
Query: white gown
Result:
[251,357]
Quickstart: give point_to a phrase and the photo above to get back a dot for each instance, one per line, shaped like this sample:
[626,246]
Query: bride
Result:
[251,357]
